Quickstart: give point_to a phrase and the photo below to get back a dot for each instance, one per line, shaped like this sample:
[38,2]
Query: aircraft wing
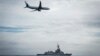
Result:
[45,8]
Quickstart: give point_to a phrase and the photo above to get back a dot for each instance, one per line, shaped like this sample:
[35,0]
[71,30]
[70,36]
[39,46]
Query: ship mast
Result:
[58,47]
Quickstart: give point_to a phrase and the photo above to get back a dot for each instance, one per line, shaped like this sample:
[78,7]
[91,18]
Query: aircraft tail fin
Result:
[27,5]
[40,5]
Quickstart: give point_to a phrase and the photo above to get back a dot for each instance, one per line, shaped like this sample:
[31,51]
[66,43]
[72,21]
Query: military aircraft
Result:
[39,8]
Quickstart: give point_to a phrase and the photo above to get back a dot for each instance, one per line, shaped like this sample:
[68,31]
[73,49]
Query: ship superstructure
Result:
[57,52]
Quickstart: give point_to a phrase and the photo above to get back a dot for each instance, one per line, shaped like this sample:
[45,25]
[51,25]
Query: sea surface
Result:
[17,55]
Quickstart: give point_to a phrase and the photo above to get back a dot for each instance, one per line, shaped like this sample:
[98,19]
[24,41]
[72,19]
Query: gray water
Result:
[17,55]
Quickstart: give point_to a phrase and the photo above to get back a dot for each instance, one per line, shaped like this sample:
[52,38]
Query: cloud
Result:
[97,34]
[12,29]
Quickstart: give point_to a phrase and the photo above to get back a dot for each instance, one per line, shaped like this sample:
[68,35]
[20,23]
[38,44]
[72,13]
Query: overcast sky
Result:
[74,24]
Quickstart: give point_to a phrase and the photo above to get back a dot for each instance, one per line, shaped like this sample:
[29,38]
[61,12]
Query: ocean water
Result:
[17,55]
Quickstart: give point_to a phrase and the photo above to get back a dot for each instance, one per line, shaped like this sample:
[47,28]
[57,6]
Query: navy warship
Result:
[57,52]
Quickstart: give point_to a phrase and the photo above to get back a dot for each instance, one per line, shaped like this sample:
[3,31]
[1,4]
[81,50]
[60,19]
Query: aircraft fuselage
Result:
[39,8]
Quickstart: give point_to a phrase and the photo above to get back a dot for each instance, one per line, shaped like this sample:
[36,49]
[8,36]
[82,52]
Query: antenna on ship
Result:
[58,47]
